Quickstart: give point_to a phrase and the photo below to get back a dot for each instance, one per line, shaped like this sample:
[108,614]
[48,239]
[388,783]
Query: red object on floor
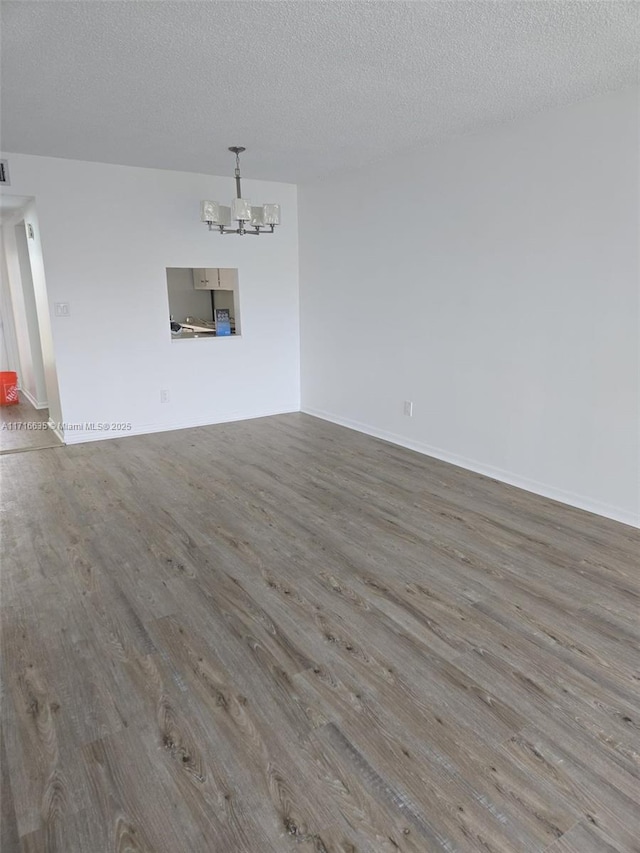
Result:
[8,388]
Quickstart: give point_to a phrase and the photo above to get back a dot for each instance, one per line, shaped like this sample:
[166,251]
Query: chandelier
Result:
[250,220]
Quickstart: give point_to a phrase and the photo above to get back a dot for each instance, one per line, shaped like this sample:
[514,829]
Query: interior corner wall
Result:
[24,364]
[43,331]
[9,355]
[38,392]
[107,235]
[493,281]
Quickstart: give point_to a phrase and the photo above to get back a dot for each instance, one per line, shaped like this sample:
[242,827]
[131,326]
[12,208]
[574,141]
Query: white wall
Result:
[9,359]
[493,281]
[5,359]
[24,365]
[40,293]
[108,234]
[38,391]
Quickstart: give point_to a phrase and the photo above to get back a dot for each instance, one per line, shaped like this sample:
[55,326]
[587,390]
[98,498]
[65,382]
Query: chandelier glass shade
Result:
[247,218]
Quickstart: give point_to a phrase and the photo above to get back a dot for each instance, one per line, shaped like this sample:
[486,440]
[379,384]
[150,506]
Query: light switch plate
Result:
[62,309]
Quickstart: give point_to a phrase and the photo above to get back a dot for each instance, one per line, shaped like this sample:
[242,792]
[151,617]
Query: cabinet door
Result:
[201,279]
[228,278]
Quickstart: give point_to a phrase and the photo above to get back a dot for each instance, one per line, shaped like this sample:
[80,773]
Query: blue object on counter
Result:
[223,322]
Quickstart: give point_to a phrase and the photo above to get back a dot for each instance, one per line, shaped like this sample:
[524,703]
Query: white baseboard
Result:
[54,429]
[32,399]
[542,489]
[72,436]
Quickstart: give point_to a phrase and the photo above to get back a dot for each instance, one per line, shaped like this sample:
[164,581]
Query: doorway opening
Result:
[33,419]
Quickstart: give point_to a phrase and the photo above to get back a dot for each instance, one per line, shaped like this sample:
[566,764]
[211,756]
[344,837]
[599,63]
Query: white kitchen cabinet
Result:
[205,279]
[215,278]
[228,278]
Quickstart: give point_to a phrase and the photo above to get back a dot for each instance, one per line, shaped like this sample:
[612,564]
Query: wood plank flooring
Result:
[281,635]
[23,427]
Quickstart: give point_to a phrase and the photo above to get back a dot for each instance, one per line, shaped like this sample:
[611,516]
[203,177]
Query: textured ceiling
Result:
[308,87]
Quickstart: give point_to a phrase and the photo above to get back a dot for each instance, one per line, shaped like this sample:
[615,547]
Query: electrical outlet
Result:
[164,395]
[408,408]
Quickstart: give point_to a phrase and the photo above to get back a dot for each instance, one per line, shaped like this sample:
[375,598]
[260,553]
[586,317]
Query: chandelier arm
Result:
[257,229]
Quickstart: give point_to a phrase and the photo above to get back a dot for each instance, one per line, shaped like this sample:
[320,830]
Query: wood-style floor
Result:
[281,635]
[23,427]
